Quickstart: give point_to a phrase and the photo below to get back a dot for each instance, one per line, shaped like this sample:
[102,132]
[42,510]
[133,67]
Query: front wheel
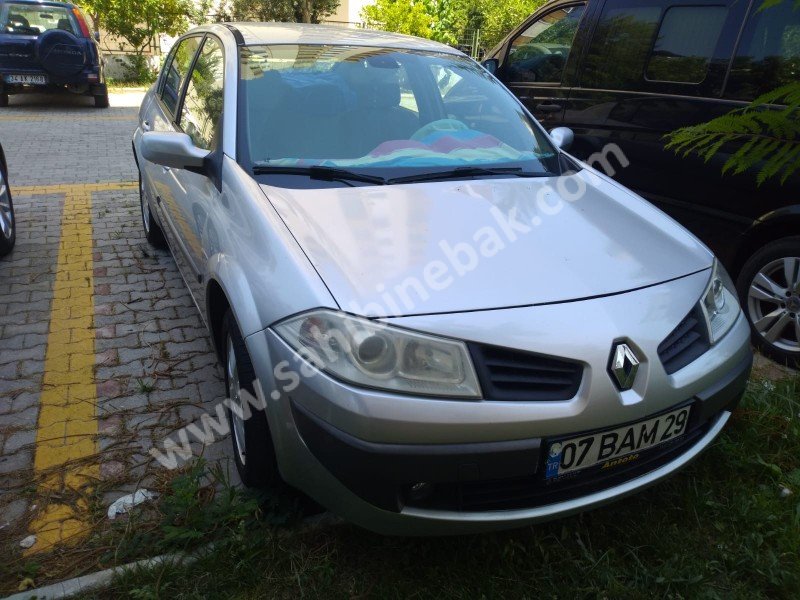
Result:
[769,287]
[8,224]
[253,451]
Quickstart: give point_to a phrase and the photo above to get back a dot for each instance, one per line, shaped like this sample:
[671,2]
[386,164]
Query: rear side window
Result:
[768,55]
[685,43]
[33,19]
[202,106]
[176,69]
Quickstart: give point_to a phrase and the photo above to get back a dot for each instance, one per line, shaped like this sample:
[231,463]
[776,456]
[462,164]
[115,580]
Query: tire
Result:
[101,101]
[152,230]
[769,289]
[8,223]
[3,100]
[253,451]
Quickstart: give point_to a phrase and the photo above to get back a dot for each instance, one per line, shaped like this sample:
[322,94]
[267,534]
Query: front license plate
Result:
[27,79]
[616,446]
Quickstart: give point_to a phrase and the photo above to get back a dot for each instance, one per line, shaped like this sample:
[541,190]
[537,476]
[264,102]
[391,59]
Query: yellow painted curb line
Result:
[66,437]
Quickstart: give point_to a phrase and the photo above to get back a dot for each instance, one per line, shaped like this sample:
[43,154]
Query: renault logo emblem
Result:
[624,366]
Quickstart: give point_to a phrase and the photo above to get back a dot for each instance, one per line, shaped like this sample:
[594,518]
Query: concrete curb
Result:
[94,581]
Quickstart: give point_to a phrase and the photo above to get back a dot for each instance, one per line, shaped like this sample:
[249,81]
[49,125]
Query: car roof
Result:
[335,35]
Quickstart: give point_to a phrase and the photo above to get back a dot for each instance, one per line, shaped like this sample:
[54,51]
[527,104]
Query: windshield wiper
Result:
[464,172]
[319,172]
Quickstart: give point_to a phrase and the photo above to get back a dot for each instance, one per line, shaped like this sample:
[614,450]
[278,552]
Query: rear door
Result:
[535,62]
[650,67]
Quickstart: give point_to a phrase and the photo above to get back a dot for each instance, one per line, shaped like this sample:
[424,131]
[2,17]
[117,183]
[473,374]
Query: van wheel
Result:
[101,101]
[769,288]
[253,451]
[152,231]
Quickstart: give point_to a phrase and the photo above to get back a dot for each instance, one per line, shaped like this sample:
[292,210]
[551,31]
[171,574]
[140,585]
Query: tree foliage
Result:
[299,11]
[763,136]
[450,21]
[768,137]
[139,21]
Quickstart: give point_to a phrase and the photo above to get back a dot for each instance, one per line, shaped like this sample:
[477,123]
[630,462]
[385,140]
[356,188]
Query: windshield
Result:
[380,111]
[33,19]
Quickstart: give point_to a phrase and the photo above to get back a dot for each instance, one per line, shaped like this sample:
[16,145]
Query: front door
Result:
[536,60]
[192,195]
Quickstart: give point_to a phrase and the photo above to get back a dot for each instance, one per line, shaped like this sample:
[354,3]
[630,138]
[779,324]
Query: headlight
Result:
[719,303]
[376,355]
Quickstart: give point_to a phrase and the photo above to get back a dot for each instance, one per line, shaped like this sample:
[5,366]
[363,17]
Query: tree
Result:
[767,131]
[410,17]
[139,21]
[299,11]
[450,21]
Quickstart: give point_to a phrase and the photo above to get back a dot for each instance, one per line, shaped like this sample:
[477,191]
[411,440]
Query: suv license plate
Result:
[615,446]
[28,79]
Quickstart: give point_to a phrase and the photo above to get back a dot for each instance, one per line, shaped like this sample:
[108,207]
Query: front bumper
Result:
[359,452]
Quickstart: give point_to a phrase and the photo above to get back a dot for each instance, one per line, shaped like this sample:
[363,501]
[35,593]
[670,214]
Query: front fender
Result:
[230,277]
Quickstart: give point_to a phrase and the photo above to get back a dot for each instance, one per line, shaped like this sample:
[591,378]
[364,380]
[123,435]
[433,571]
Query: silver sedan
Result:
[432,318]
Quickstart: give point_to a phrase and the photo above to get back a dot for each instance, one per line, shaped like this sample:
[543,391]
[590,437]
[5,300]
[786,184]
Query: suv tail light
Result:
[82,23]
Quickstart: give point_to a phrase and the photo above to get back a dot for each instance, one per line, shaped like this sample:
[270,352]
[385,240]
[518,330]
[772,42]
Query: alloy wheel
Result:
[773,303]
[234,393]
[6,213]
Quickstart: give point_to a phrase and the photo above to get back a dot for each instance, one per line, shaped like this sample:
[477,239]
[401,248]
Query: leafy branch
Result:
[767,132]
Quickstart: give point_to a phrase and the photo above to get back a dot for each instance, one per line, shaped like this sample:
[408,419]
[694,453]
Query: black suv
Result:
[626,72]
[48,47]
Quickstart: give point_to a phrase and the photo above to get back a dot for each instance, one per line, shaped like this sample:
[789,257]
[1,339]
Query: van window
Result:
[540,52]
[685,43]
[769,52]
[620,47]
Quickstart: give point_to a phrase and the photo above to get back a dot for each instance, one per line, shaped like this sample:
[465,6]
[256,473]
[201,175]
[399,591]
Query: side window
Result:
[177,68]
[620,47]
[769,52]
[685,43]
[202,105]
[540,52]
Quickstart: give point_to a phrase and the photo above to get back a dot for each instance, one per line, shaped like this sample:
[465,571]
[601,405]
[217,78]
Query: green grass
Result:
[719,529]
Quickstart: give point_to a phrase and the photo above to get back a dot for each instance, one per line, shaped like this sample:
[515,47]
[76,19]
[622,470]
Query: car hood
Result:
[452,246]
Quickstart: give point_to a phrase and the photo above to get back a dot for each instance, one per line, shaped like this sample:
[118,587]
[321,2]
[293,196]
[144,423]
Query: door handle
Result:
[146,126]
[548,108]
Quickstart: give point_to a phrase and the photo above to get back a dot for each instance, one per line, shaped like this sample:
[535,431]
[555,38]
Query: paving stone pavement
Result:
[154,369]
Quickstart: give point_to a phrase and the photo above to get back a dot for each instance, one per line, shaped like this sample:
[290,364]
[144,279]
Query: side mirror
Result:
[491,65]
[172,149]
[97,36]
[562,137]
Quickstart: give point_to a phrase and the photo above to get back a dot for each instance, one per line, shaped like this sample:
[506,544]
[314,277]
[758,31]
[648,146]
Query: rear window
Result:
[33,19]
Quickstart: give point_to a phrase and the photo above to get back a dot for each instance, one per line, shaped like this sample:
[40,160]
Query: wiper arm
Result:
[463,172]
[319,172]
